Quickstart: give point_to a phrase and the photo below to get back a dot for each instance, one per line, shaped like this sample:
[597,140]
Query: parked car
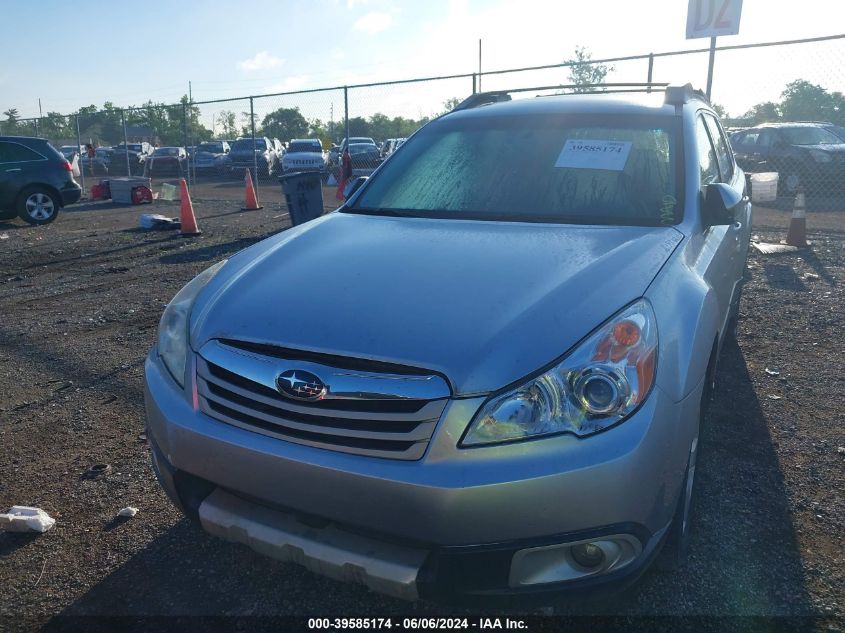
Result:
[137,155]
[365,158]
[357,140]
[242,156]
[171,161]
[68,151]
[36,180]
[99,165]
[805,155]
[479,378]
[305,154]
[390,146]
[212,157]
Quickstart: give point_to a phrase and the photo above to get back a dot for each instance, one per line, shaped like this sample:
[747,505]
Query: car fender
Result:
[688,322]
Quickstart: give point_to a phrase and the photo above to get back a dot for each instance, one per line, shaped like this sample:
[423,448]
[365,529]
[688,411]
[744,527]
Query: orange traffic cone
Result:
[250,197]
[188,220]
[797,233]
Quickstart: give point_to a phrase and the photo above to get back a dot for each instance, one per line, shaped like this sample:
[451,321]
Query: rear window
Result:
[305,147]
[166,151]
[567,169]
[214,148]
[246,144]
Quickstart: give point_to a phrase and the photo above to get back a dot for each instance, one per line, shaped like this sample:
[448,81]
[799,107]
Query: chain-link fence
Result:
[215,141]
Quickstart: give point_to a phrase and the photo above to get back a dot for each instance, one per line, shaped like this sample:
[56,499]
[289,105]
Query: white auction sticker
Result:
[590,154]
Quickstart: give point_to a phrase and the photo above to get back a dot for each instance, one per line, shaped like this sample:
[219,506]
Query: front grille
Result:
[386,415]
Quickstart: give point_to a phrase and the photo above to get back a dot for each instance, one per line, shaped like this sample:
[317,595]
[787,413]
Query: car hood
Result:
[483,303]
[831,148]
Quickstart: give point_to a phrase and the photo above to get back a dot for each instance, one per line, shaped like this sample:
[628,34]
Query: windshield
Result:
[809,136]
[304,147]
[244,145]
[166,151]
[362,148]
[361,139]
[555,168]
[214,148]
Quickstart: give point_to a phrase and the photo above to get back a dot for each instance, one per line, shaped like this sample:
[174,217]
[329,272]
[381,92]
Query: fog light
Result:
[588,555]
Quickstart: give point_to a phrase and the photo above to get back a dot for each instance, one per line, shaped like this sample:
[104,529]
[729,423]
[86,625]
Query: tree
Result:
[767,112]
[11,121]
[451,104]
[720,110]
[584,72]
[285,124]
[228,125]
[803,101]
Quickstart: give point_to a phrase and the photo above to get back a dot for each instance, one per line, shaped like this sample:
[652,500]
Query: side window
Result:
[15,152]
[764,143]
[723,150]
[706,154]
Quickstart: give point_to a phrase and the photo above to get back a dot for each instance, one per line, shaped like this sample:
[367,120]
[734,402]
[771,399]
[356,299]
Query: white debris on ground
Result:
[128,511]
[26,519]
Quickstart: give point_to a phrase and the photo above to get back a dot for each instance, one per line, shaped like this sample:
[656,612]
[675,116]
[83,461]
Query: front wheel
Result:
[38,205]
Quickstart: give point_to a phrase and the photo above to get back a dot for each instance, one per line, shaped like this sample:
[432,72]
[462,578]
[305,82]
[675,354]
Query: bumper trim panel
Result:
[329,551]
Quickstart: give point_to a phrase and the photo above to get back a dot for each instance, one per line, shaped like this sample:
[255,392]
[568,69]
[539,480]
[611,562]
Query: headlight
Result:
[173,328]
[820,156]
[600,383]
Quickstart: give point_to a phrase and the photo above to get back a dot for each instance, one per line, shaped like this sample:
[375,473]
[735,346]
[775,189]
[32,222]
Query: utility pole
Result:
[479,64]
[190,97]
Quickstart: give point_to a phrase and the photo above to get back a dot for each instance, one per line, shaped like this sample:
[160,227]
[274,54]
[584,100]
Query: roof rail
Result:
[677,92]
[679,95]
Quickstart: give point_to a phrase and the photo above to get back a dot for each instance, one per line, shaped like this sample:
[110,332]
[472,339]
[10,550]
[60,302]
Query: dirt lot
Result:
[81,301]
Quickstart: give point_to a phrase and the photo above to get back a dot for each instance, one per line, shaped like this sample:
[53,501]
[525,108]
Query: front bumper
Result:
[468,510]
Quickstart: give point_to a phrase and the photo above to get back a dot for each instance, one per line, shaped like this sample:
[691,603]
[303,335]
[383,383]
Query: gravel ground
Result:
[81,301]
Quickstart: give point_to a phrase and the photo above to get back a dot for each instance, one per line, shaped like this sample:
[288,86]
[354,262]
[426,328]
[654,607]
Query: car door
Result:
[19,166]
[724,243]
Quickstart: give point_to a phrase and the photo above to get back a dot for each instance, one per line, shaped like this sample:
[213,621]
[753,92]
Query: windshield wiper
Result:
[395,213]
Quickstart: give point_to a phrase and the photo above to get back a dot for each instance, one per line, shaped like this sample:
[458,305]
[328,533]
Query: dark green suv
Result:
[35,180]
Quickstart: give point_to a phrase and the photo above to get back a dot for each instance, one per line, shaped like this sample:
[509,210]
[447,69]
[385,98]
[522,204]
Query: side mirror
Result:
[352,186]
[719,204]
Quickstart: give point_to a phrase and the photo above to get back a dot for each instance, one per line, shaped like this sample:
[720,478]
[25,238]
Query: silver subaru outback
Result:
[483,375]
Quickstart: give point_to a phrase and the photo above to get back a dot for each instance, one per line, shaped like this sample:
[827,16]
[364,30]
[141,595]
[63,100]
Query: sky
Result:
[127,53]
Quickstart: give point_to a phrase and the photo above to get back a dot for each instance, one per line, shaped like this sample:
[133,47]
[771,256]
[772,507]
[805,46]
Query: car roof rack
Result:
[675,95]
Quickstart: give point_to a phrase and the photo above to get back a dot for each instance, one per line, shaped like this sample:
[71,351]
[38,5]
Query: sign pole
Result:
[710,66]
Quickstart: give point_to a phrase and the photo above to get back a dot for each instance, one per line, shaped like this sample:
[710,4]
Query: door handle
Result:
[15,169]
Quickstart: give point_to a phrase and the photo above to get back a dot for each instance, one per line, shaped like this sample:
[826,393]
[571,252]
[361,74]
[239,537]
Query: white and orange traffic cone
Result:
[250,197]
[797,233]
[187,220]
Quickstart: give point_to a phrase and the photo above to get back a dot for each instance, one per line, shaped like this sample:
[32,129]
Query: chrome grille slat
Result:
[362,412]
[429,410]
[412,452]
[422,431]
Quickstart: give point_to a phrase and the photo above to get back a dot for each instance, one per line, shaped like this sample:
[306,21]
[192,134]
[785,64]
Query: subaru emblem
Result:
[300,385]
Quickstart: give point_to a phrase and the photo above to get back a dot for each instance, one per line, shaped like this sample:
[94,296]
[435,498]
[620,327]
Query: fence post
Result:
[125,142]
[346,118]
[252,127]
[185,136]
[650,70]
[36,126]
[90,160]
[473,83]
[710,66]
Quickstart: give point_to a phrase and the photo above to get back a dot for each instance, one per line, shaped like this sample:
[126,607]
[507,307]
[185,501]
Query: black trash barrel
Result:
[304,195]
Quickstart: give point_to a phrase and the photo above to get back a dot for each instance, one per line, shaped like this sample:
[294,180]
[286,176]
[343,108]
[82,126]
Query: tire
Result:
[38,205]
[789,181]
[676,546]
[676,543]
